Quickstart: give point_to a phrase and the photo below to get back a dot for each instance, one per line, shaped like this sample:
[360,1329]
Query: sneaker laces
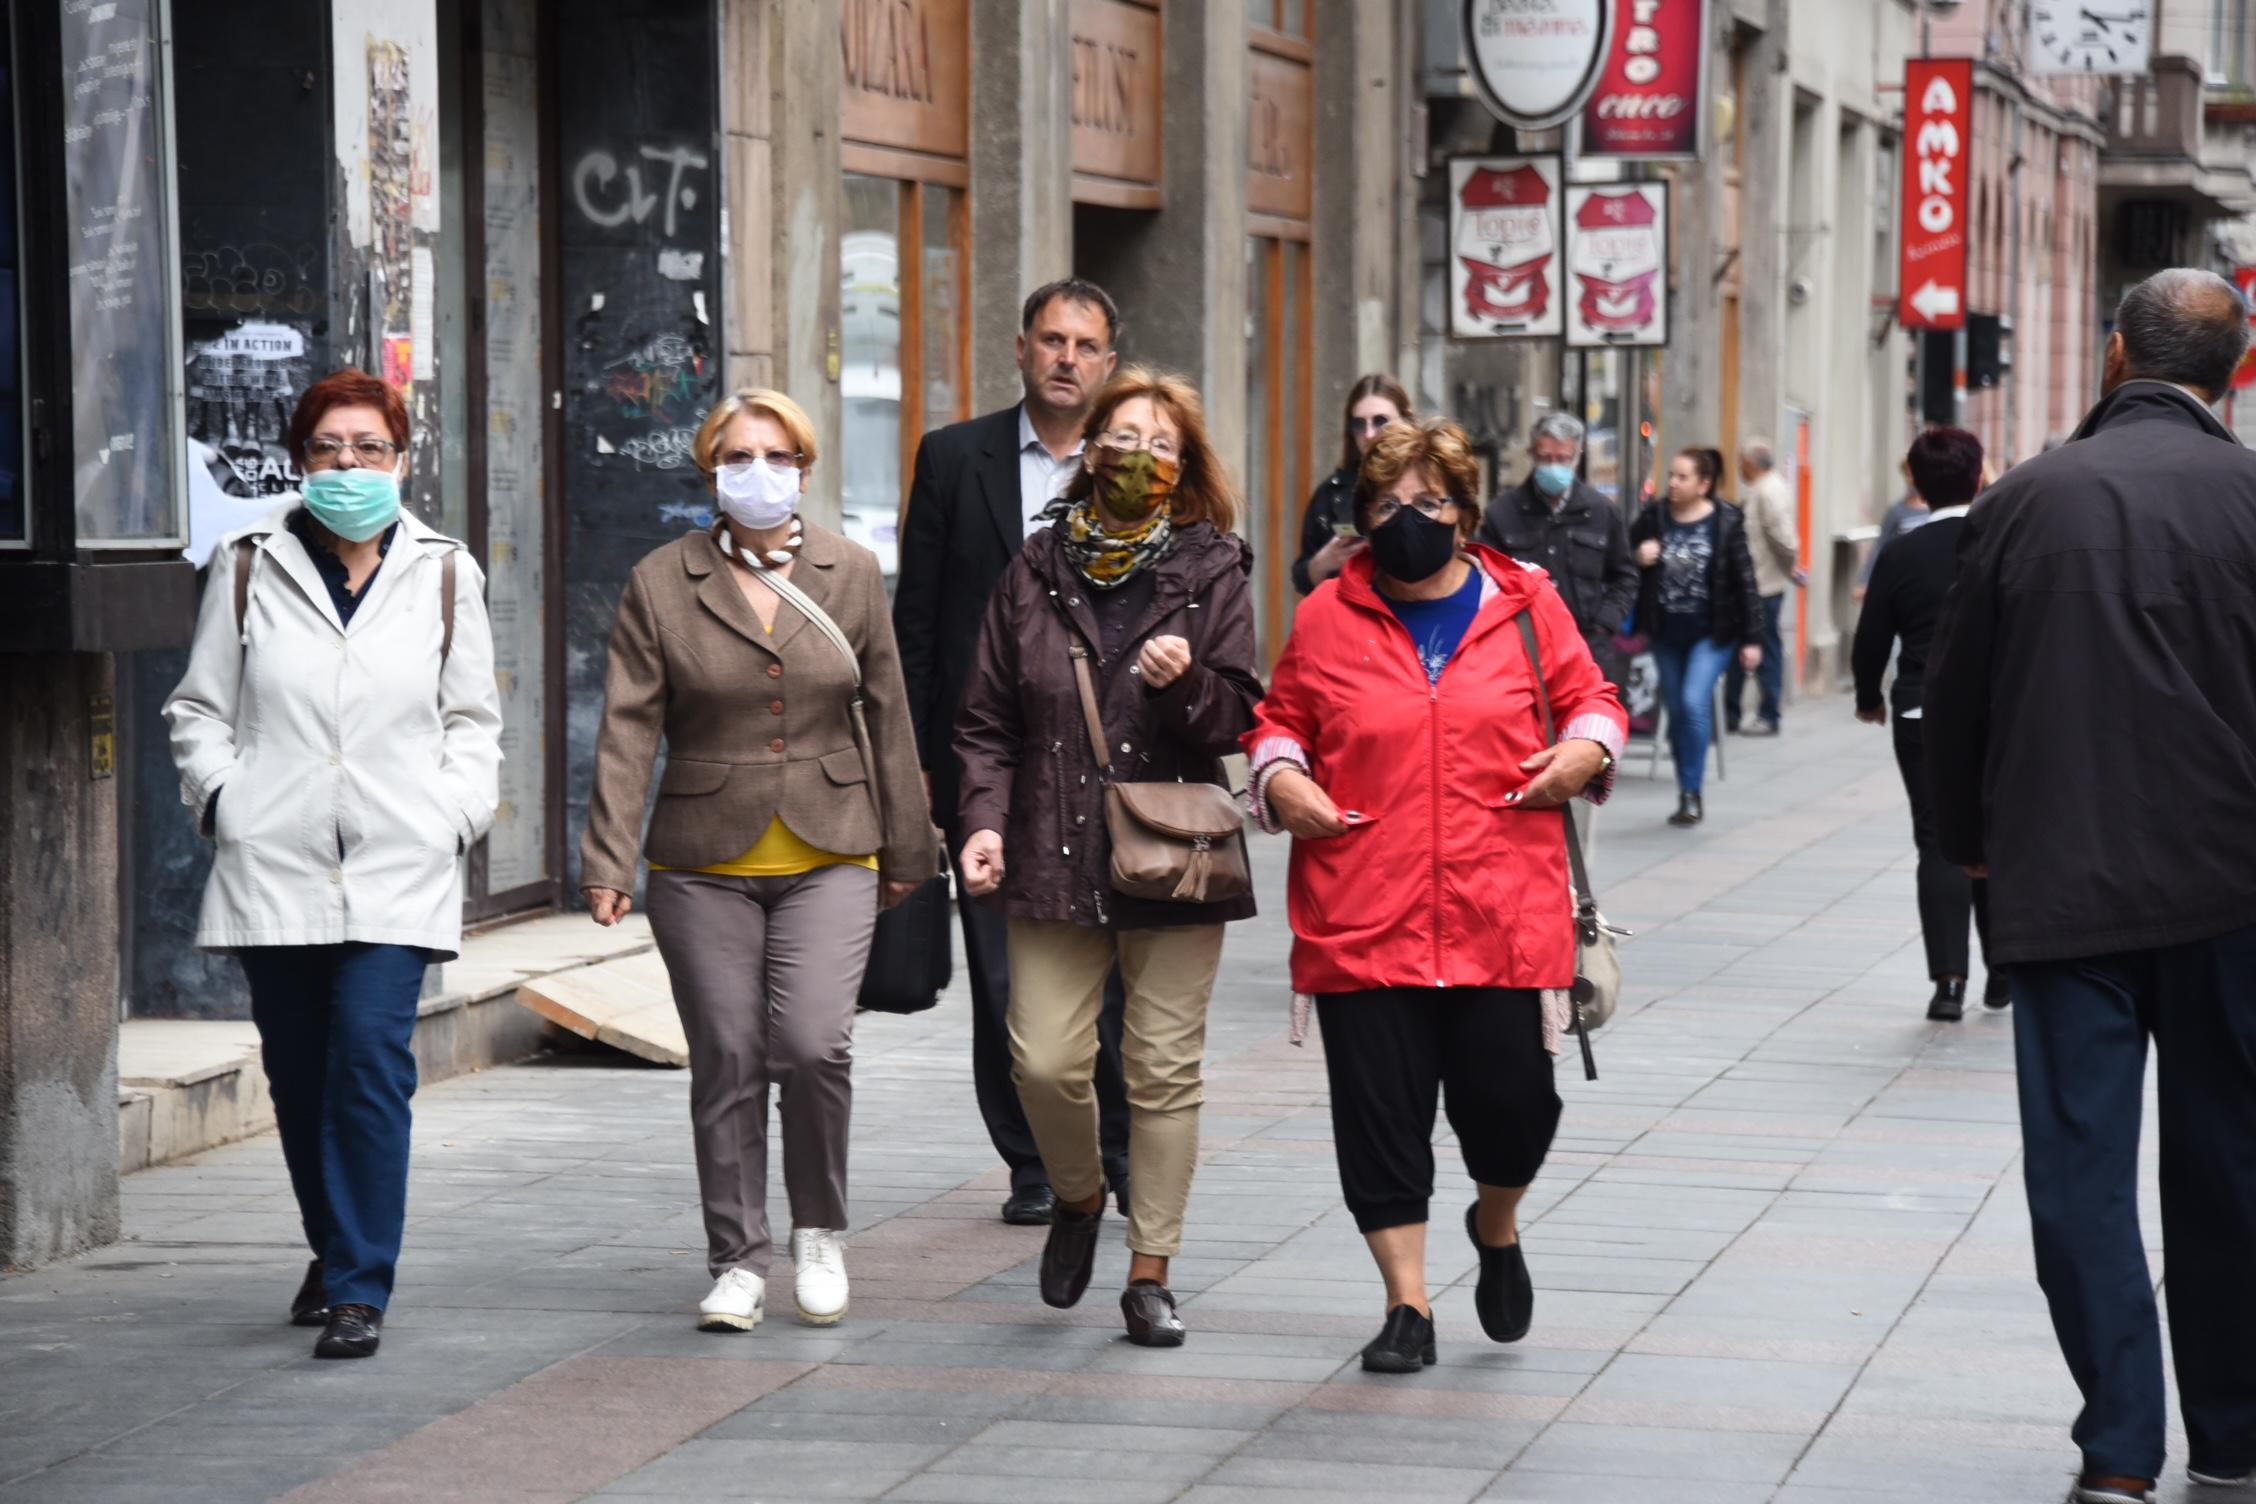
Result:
[824,1250]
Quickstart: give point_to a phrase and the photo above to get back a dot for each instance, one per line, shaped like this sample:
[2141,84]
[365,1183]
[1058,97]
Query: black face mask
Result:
[1410,546]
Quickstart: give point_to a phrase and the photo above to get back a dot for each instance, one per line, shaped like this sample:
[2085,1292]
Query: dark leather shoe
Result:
[1070,1256]
[1689,810]
[310,1306]
[1997,991]
[1504,1296]
[1762,728]
[1030,1206]
[1149,1307]
[1948,1005]
[1404,1345]
[353,1332]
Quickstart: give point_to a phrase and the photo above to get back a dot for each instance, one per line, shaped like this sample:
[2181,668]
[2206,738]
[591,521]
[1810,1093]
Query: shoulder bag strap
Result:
[245,548]
[1575,868]
[446,607]
[1087,684]
[824,624]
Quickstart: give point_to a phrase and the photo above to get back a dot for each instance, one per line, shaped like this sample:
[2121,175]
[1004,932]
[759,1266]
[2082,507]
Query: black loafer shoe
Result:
[1404,1345]
[1030,1206]
[1505,1296]
[1948,1005]
[1149,1307]
[1997,992]
[1070,1256]
[310,1306]
[353,1332]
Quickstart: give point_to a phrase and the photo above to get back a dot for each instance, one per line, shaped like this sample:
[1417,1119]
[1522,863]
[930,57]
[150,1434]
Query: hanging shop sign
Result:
[2244,278]
[1504,247]
[1646,107]
[1536,61]
[1938,130]
[1617,266]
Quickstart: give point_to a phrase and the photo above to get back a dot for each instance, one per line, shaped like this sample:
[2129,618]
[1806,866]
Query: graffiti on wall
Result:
[611,195]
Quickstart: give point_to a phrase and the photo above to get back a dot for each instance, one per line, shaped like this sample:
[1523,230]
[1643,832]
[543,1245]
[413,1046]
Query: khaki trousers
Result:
[1057,989]
[766,972]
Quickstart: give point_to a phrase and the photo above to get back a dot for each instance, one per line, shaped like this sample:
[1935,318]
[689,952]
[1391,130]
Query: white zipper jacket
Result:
[356,770]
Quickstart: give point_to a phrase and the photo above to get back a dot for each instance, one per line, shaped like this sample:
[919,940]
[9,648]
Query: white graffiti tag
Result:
[609,206]
[662,449]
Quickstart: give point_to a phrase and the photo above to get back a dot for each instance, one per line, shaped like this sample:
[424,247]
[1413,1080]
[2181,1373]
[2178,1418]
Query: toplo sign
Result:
[1617,256]
[1647,103]
[1504,246]
[1938,119]
[1536,61]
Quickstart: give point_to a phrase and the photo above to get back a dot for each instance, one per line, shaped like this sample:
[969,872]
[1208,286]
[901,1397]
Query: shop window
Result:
[904,351]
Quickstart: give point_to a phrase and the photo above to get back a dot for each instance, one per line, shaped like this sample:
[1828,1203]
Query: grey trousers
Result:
[765,972]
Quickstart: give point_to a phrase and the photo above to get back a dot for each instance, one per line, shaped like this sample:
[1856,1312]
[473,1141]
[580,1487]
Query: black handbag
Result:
[911,958]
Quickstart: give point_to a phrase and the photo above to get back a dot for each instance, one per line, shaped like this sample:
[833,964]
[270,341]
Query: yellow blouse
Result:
[779,853]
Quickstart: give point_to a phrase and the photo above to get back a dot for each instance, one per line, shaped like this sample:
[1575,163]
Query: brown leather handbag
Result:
[1180,842]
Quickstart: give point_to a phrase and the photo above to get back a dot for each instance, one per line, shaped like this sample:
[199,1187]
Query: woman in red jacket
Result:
[1402,745]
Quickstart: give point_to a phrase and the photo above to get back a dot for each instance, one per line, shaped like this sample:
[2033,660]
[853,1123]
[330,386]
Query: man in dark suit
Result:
[980,488]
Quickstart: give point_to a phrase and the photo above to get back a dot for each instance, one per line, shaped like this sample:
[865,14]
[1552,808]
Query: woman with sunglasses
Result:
[338,735]
[1327,529]
[1140,579]
[777,834]
[1403,745]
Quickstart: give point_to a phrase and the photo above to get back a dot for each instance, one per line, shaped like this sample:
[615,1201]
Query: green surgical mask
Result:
[355,504]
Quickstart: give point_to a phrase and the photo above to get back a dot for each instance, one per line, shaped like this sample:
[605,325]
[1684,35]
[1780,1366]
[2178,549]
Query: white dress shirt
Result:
[1041,477]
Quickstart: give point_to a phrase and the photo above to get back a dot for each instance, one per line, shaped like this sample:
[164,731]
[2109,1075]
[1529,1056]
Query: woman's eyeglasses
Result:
[326,451]
[1368,425]
[1430,507]
[1127,438]
[781,459]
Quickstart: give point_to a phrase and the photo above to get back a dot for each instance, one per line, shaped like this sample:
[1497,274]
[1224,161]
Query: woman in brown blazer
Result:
[770,850]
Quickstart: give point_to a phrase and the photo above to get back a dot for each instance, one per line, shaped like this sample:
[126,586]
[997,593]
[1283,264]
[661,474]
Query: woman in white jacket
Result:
[338,737]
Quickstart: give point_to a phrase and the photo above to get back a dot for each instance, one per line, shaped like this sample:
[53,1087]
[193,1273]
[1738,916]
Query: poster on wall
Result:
[1617,266]
[1504,248]
[1646,107]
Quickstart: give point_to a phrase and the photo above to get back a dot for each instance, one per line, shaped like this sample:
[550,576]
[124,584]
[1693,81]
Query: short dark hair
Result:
[349,387]
[1073,290]
[1946,466]
[2184,325]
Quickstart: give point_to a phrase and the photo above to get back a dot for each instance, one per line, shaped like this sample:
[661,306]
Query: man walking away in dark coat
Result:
[980,488]
[2091,744]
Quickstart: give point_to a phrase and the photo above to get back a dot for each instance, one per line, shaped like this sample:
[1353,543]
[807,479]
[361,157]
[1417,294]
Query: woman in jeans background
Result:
[1402,745]
[1697,603]
[1375,403]
[769,849]
[1140,572]
[338,735]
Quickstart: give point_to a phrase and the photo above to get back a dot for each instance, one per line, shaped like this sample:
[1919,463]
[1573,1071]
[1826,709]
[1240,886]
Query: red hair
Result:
[346,388]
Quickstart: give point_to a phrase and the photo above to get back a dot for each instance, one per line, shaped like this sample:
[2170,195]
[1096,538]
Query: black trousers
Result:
[1390,1053]
[1946,893]
[987,957]
[2080,1031]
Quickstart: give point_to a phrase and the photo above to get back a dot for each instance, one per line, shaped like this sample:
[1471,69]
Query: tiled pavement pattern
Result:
[1780,1252]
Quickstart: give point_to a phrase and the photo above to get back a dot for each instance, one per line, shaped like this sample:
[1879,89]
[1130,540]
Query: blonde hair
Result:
[1202,492]
[1436,446]
[754,399]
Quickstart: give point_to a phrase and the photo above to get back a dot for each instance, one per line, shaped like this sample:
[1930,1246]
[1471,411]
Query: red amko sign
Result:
[1647,103]
[1937,137]
[2244,277]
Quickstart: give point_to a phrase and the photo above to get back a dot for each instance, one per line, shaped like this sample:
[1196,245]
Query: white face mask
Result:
[758,495]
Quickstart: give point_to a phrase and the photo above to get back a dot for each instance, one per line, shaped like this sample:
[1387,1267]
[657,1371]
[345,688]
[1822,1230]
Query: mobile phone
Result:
[1345,530]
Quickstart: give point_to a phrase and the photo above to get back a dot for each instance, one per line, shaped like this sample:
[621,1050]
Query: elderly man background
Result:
[1777,546]
[2090,717]
[1575,532]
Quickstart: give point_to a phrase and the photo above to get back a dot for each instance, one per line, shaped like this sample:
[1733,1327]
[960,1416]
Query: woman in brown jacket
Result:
[1139,572]
[770,849]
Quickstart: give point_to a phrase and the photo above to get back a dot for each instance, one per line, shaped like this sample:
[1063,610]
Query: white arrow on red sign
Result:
[1935,302]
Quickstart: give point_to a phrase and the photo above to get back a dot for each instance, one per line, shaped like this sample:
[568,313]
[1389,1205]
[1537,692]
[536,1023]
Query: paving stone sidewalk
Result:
[1780,1252]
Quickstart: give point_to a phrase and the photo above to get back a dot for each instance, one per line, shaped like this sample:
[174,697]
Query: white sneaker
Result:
[818,1256]
[2216,1480]
[735,1304]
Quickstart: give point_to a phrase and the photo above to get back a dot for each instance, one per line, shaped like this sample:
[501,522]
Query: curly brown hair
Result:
[1438,447]
[1202,492]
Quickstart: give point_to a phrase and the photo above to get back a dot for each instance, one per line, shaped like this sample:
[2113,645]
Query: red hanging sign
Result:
[1647,103]
[1937,142]
[2244,277]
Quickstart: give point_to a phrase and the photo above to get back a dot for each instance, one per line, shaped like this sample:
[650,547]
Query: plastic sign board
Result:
[1647,106]
[1617,266]
[1536,61]
[1504,248]
[1937,141]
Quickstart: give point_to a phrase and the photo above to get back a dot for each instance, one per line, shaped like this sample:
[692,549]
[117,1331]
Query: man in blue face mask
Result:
[1575,533]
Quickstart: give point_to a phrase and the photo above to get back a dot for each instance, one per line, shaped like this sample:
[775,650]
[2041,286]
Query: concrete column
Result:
[58,961]
[1766,208]
[1692,367]
[1182,286]
[1360,203]
[1021,176]
[783,75]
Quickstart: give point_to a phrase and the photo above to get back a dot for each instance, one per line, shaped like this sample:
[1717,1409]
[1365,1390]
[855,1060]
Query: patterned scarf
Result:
[1108,560]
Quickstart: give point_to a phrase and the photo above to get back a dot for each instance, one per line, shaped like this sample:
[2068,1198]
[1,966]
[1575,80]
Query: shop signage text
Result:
[1536,61]
[1938,115]
[1116,103]
[1647,103]
[1504,242]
